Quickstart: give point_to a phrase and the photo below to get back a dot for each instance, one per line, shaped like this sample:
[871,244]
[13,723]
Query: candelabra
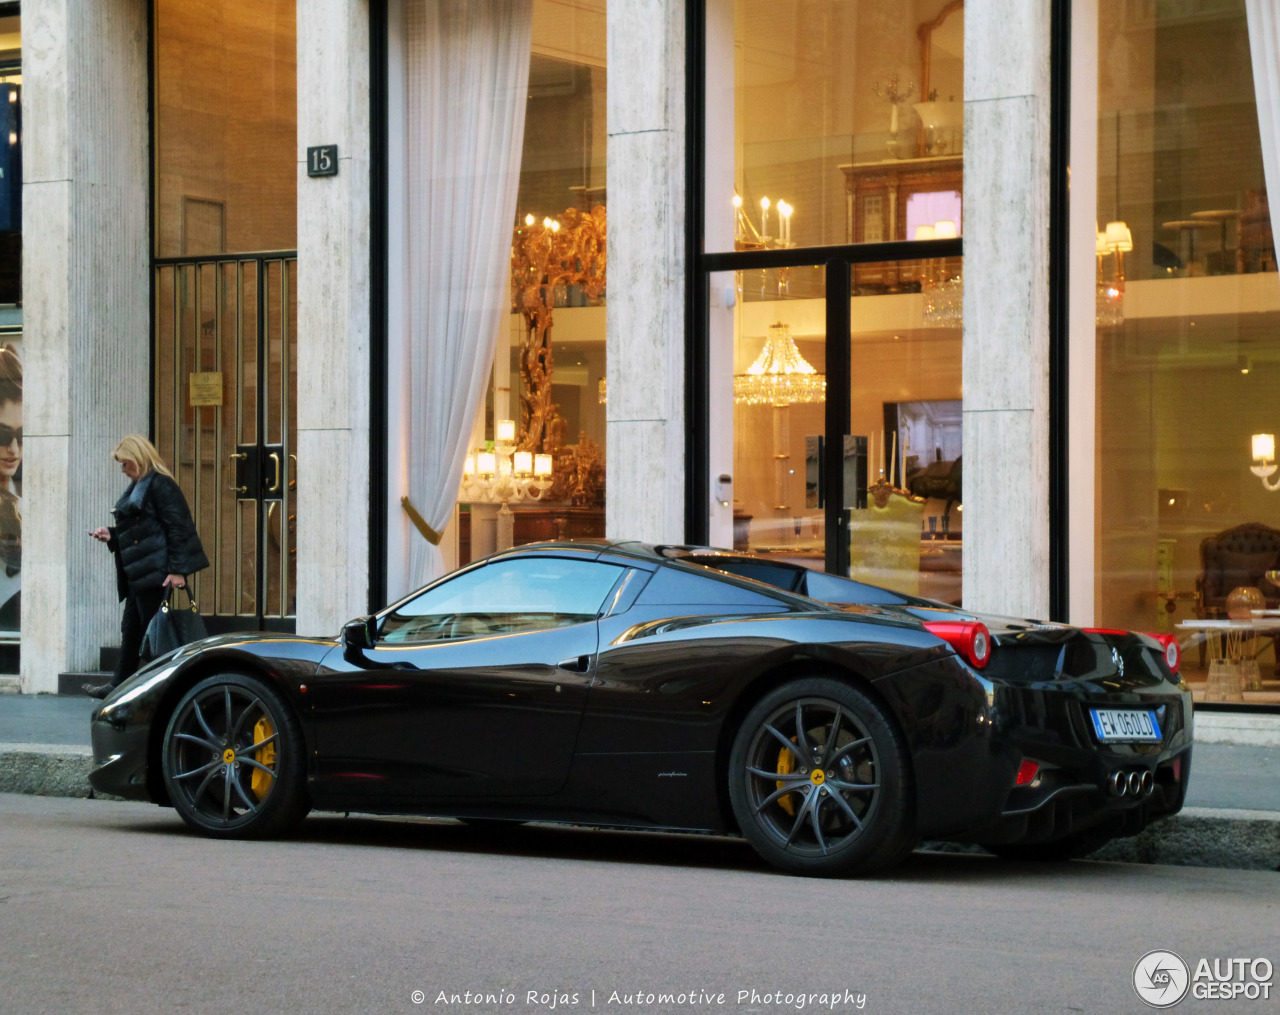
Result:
[747,237]
[503,475]
[1115,241]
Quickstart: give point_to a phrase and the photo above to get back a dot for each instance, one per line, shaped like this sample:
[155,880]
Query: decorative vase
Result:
[1242,601]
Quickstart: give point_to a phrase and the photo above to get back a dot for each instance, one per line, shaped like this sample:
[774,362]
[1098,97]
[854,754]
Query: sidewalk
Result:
[1232,816]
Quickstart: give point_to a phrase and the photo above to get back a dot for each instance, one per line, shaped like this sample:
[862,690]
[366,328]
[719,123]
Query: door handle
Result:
[232,460]
[293,474]
[578,664]
[275,483]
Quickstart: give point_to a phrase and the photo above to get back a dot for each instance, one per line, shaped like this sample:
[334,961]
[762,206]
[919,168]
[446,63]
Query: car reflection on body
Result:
[833,724]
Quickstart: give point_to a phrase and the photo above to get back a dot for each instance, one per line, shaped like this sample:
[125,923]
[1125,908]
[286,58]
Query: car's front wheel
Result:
[233,759]
[820,781]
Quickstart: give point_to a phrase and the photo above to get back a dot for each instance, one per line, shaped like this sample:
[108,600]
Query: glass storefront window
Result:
[225,294]
[226,123]
[11,171]
[832,121]
[896,498]
[769,348]
[1187,342]
[549,370]
[11,397]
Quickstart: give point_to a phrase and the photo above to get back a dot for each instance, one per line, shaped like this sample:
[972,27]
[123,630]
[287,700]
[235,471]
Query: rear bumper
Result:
[967,788]
[1059,804]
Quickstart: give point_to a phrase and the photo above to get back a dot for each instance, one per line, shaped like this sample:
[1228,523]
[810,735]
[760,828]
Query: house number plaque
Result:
[322,160]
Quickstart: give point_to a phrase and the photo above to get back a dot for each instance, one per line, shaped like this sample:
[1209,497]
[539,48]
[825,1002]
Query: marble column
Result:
[645,320]
[333,317]
[1006,306]
[87,331]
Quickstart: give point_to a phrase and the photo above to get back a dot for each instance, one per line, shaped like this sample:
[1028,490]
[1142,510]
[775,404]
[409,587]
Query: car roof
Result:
[671,556]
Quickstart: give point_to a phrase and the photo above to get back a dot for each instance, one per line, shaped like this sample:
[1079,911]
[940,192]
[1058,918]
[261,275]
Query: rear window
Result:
[674,586]
[832,588]
[786,578]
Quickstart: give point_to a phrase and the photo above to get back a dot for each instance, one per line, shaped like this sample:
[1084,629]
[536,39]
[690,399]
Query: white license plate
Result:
[1126,725]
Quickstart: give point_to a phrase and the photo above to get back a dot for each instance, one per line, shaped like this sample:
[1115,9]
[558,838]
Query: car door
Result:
[474,688]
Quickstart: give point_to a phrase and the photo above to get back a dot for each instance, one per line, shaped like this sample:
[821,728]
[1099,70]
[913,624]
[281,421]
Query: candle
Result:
[893,118]
[523,462]
[486,463]
[506,430]
[764,218]
[542,465]
[469,465]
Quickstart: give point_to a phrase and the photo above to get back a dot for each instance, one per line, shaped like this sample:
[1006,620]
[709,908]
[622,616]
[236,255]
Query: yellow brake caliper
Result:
[261,781]
[786,765]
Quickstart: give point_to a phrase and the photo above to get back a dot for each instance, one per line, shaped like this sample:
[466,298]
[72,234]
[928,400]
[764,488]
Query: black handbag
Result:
[173,626]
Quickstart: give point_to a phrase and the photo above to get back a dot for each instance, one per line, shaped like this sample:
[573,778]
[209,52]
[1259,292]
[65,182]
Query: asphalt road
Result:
[112,907]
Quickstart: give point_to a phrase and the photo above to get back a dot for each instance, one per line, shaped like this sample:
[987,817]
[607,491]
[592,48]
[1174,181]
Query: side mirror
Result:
[358,635]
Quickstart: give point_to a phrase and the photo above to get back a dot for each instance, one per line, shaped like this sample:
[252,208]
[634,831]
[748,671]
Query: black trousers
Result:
[139,608]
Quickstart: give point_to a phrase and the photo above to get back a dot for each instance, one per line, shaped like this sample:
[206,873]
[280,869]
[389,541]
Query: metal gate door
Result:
[226,421]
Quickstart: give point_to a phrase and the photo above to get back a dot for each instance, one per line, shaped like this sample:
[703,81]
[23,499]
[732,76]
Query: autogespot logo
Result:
[1161,979]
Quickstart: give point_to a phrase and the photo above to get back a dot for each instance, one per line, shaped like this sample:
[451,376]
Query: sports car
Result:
[834,725]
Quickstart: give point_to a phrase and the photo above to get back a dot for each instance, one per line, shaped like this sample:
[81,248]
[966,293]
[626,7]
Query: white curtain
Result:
[467,78]
[1264,48]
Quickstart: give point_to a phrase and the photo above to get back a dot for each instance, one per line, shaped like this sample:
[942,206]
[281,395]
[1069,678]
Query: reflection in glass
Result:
[1188,354]
[550,367]
[825,118]
[226,115]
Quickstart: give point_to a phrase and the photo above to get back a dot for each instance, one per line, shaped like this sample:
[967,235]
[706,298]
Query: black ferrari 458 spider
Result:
[833,724]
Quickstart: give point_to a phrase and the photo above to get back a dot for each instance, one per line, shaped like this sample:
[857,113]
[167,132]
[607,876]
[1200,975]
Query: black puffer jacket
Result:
[154,535]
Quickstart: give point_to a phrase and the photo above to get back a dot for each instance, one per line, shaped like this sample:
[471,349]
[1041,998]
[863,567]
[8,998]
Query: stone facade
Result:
[87,313]
[1006,307]
[645,323]
[333,317]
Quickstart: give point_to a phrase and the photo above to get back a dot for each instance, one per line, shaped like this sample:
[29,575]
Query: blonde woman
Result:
[155,545]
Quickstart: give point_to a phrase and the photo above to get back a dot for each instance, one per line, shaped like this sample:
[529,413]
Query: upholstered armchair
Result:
[1234,558]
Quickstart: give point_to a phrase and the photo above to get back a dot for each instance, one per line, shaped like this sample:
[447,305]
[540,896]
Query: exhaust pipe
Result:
[1138,783]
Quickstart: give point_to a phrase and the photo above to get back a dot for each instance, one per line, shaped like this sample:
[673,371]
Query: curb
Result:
[45,769]
[1196,837]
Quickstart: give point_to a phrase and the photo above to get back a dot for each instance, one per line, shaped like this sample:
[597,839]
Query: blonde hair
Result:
[137,449]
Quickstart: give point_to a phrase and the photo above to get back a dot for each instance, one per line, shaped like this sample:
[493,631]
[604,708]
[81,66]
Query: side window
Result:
[505,597]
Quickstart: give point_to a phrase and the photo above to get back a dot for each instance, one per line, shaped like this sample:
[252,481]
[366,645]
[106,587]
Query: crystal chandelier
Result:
[780,375]
[943,291]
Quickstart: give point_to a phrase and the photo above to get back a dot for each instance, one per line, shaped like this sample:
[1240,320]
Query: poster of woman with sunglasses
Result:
[10,489]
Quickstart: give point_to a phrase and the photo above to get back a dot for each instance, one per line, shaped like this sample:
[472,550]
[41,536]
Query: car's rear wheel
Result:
[233,759]
[820,781]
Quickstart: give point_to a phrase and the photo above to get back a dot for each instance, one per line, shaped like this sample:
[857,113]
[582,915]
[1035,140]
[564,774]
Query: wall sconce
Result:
[1264,453]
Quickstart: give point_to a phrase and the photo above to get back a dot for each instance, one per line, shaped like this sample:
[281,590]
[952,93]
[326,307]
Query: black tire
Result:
[820,781]
[1072,847]
[234,760]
